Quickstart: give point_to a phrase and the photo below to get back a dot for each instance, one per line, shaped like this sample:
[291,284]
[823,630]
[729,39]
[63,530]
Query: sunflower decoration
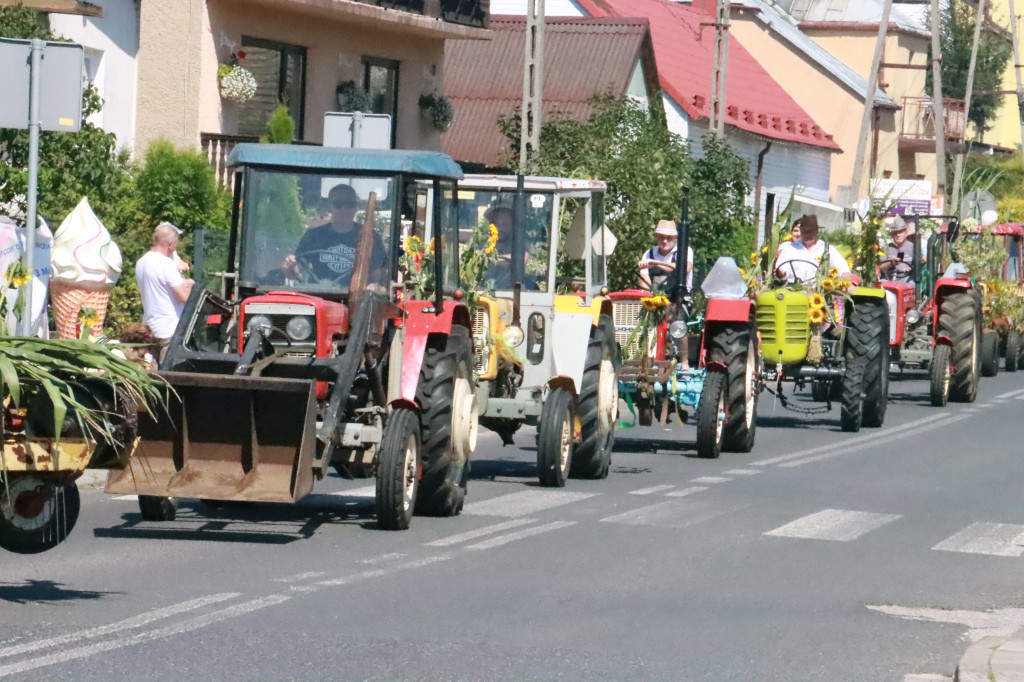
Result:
[654,313]
[828,284]
[817,315]
[653,304]
[492,239]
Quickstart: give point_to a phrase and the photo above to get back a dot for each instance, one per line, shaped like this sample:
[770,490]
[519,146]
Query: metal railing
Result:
[919,118]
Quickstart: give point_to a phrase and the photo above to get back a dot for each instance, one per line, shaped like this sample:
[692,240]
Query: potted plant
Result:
[438,110]
[237,84]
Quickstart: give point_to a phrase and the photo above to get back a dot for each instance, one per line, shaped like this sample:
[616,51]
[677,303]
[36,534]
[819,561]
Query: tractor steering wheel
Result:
[790,263]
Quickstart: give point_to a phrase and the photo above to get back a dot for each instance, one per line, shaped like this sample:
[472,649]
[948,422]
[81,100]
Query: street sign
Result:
[60,85]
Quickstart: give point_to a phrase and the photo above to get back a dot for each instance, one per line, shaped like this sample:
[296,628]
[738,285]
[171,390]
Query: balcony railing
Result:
[919,119]
[217,148]
[474,13]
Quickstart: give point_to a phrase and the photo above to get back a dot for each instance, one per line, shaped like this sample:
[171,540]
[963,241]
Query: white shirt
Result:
[654,254]
[805,261]
[157,275]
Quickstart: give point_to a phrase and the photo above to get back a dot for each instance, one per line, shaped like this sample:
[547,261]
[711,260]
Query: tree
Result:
[646,168]
[958,21]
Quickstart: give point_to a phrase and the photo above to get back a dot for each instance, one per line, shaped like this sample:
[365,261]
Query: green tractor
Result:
[847,361]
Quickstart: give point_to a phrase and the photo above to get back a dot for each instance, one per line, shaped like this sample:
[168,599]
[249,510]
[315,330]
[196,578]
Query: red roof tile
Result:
[684,49]
[484,79]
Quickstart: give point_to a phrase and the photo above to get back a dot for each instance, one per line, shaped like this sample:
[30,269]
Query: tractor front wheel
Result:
[599,402]
[960,322]
[867,341]
[36,513]
[1012,354]
[851,414]
[712,415]
[445,394]
[398,470]
[555,438]
[737,350]
[940,375]
[989,353]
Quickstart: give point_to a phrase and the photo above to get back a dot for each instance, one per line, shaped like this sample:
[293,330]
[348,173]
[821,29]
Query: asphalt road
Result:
[819,556]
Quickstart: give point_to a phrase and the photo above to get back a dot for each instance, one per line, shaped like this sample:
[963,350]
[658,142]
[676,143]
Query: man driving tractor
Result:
[799,261]
[898,264]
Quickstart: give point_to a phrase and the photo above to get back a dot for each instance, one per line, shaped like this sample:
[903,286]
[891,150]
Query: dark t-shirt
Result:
[334,253]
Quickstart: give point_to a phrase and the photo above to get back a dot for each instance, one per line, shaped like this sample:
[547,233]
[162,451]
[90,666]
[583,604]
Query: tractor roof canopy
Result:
[997,229]
[410,162]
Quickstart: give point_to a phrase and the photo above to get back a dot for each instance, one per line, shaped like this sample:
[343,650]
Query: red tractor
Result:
[318,358]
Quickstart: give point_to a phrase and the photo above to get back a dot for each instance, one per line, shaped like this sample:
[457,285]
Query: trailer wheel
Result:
[940,375]
[959,321]
[1012,350]
[851,414]
[36,513]
[398,470]
[737,350]
[989,353]
[155,508]
[599,402]
[712,415]
[868,341]
[555,438]
[450,422]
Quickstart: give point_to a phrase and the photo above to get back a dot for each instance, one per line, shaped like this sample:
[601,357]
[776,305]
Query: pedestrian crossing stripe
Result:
[524,503]
[837,525]
[992,539]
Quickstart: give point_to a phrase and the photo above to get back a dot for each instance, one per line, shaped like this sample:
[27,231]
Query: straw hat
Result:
[666,227]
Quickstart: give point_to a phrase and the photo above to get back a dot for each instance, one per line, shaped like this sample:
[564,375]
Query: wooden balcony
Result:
[918,132]
[217,148]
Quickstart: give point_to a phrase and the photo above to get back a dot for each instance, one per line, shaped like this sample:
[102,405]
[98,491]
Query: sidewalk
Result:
[993,659]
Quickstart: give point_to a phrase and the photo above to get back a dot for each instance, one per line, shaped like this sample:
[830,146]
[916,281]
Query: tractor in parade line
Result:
[725,379]
[543,331]
[318,357]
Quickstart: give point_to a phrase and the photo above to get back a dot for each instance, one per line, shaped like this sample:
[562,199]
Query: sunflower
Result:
[754,258]
[833,273]
[817,300]
[492,239]
[654,303]
[20,281]
[816,315]
[828,283]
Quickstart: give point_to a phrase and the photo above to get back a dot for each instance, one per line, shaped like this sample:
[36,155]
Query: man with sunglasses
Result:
[327,253]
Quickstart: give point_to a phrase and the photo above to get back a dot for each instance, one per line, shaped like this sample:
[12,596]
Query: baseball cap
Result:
[666,227]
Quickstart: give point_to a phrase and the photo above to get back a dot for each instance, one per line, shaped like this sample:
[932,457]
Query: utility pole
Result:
[937,103]
[869,108]
[958,172]
[533,82]
[1016,71]
[718,69]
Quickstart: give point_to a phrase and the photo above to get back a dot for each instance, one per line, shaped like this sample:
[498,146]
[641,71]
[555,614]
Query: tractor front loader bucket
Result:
[226,438]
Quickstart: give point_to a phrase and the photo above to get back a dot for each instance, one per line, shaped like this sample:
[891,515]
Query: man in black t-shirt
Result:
[329,251]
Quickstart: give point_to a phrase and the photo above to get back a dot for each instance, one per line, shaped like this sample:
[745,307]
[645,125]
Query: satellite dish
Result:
[975,203]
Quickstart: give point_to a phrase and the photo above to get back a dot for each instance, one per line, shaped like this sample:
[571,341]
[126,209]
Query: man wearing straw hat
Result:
[898,264]
[659,262]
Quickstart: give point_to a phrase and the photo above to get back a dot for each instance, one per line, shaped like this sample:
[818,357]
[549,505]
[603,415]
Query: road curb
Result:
[993,659]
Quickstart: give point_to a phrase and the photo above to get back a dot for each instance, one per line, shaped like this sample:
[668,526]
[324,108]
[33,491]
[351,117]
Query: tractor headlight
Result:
[261,322]
[677,329]
[514,336]
[913,316]
[299,328]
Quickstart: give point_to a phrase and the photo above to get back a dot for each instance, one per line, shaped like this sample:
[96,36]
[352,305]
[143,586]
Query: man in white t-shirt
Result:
[161,285]
[659,262]
[799,261]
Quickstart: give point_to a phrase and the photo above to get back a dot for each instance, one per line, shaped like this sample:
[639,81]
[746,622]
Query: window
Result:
[280,72]
[380,80]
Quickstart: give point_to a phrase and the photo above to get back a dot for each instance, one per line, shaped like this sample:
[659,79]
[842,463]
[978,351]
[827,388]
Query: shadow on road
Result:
[506,467]
[38,591]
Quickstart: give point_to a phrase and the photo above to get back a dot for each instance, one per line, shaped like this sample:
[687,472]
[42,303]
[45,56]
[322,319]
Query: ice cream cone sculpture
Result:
[86,265]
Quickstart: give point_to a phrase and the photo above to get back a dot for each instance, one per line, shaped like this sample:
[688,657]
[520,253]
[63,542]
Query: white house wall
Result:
[111,44]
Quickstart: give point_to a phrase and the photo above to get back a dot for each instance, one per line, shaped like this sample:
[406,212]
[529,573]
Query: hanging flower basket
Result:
[438,110]
[238,85]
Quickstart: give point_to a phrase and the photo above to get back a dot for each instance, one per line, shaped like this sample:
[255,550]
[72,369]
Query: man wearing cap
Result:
[161,285]
[799,261]
[898,264]
[659,262]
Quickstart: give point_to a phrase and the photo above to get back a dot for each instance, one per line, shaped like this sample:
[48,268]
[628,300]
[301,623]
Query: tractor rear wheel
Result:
[989,353]
[398,470]
[1012,353]
[555,438]
[599,402]
[736,348]
[851,414]
[960,322]
[450,422]
[940,375]
[867,340]
[154,508]
[36,513]
[712,415]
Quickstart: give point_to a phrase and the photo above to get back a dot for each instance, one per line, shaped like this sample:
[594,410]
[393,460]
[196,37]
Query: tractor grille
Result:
[626,315]
[481,350]
[279,320]
[793,327]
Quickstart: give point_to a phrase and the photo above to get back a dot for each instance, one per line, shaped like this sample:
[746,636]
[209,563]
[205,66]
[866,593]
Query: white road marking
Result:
[524,503]
[674,513]
[299,577]
[159,633]
[838,525]
[687,491]
[993,539]
[365,491]
[653,489]
[379,572]
[742,472]
[525,533]
[391,556]
[125,498]
[998,623]
[926,677]
[711,479]
[126,624]
[1011,394]
[969,410]
[479,532]
[878,435]
[846,449]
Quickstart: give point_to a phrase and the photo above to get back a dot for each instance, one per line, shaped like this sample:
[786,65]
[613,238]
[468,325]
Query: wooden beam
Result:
[85,9]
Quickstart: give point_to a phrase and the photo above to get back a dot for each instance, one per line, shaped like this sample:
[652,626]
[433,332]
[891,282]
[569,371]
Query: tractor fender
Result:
[421,321]
[569,354]
[599,306]
[728,310]
[715,366]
